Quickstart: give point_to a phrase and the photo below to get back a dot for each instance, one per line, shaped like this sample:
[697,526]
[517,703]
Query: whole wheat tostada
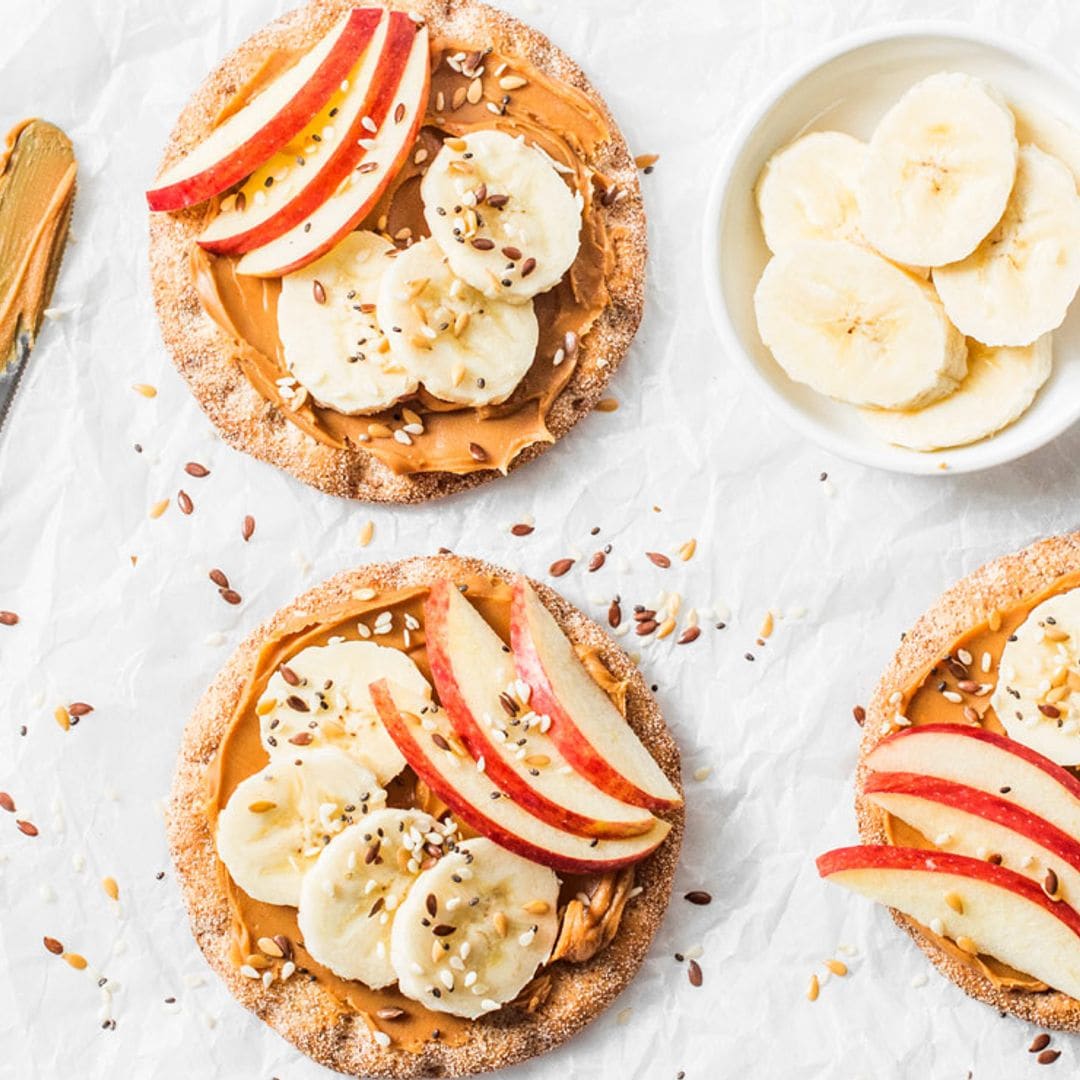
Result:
[305,1011]
[995,586]
[204,353]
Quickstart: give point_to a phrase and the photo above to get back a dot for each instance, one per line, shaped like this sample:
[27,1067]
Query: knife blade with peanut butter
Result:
[37,190]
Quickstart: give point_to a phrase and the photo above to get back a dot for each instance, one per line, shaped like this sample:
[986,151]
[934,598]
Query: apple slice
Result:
[987,761]
[307,171]
[265,124]
[1002,914]
[430,747]
[590,732]
[968,821]
[473,673]
[324,215]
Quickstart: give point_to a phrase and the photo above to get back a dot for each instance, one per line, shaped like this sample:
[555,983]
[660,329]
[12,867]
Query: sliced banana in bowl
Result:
[508,223]
[332,341]
[277,822]
[999,387]
[321,698]
[939,170]
[1018,284]
[809,190]
[855,326]
[473,929]
[465,347]
[350,897]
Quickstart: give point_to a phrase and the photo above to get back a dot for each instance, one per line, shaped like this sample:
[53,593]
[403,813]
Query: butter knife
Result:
[12,373]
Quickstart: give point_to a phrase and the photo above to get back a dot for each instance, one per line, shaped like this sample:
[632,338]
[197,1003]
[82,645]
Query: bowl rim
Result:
[720,191]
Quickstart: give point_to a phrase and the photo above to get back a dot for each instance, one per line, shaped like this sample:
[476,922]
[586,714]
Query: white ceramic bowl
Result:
[848,87]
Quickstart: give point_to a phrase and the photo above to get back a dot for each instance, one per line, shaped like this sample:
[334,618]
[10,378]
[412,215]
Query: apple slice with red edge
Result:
[1002,914]
[306,171]
[240,144]
[429,745]
[591,733]
[322,218]
[988,761]
[968,821]
[473,674]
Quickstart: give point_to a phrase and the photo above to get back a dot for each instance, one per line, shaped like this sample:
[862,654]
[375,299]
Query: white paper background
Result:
[863,554]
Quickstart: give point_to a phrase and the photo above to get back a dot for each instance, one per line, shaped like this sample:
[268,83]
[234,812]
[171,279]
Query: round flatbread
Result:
[304,1011]
[997,585]
[203,352]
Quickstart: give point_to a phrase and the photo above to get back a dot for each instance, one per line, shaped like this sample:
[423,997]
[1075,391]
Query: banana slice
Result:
[473,929]
[1037,697]
[350,897]
[939,171]
[1049,133]
[464,347]
[1020,281]
[277,822]
[326,322]
[1000,386]
[508,223]
[807,191]
[852,325]
[321,698]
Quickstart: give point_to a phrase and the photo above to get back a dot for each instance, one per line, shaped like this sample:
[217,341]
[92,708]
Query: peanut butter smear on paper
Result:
[923,703]
[567,126]
[37,191]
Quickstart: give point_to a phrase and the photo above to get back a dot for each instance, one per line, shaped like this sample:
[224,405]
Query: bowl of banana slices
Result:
[892,249]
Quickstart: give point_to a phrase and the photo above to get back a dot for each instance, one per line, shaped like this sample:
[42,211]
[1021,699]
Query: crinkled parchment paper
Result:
[116,609]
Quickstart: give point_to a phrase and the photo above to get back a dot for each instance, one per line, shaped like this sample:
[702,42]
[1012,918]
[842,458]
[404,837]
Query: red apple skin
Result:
[273,135]
[471,732]
[1062,776]
[982,804]
[376,194]
[887,857]
[569,738]
[422,765]
[380,94]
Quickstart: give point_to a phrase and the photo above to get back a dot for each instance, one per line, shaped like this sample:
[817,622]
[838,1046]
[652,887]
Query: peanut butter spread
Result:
[569,127]
[584,931]
[37,190]
[924,703]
